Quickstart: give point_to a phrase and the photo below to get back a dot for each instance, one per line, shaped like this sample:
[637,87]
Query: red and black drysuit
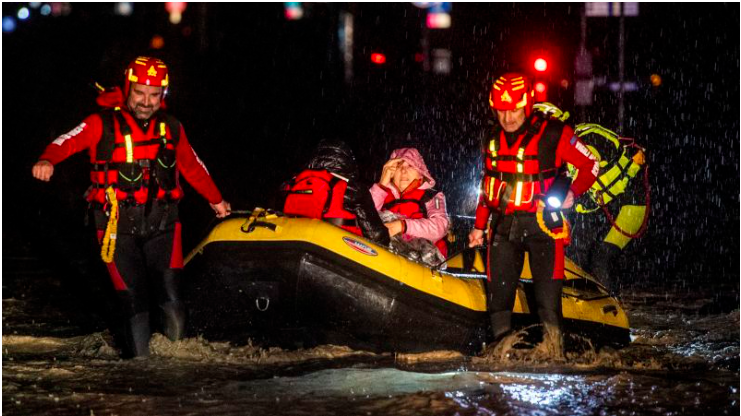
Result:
[148,252]
[532,156]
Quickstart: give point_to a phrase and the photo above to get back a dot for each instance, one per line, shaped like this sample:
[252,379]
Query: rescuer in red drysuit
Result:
[524,154]
[137,152]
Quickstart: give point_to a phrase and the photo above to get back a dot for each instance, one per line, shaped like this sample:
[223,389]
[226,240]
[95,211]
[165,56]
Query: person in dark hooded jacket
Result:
[329,188]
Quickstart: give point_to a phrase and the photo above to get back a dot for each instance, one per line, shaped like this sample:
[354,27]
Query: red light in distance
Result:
[378,58]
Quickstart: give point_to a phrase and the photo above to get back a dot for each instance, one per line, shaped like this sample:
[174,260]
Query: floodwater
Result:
[57,360]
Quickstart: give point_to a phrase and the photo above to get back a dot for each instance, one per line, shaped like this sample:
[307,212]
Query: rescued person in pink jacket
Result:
[412,210]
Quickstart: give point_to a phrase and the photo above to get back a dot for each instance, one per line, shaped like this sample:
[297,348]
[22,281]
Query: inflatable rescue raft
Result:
[298,282]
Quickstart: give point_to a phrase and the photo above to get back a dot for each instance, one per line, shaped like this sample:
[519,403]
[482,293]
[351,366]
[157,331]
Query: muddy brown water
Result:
[60,360]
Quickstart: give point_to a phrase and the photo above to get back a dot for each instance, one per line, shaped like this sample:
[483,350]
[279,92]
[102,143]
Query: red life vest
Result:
[320,194]
[516,176]
[146,162]
[413,205]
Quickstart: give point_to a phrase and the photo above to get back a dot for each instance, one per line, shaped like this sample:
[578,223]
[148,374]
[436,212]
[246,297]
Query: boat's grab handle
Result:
[253,224]
[610,308]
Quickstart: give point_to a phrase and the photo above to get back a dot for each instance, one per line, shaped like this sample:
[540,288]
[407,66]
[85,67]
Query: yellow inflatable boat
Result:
[301,282]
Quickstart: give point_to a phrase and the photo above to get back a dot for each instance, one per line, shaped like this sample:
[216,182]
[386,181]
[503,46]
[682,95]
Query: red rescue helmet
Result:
[512,91]
[147,71]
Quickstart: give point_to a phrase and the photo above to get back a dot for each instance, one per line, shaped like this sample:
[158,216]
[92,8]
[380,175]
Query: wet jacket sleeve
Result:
[359,201]
[482,213]
[435,226]
[85,136]
[572,150]
[195,171]
[378,193]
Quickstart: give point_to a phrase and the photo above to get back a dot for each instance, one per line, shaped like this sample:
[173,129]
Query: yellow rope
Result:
[109,239]
[541,223]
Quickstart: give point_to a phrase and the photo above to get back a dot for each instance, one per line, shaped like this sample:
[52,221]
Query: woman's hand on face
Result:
[389,169]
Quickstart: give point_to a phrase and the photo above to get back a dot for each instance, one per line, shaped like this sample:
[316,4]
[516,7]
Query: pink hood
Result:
[412,156]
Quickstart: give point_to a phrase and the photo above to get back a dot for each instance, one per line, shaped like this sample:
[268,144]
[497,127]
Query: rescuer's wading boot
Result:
[171,308]
[501,325]
[552,334]
[136,335]
[173,320]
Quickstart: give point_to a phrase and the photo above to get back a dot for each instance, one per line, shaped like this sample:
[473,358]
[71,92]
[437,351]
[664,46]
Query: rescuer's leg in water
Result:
[129,277]
[164,258]
[542,256]
[171,307]
[505,265]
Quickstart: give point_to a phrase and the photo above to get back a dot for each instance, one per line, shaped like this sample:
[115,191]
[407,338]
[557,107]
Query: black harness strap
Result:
[510,177]
[511,158]
[107,143]
[104,151]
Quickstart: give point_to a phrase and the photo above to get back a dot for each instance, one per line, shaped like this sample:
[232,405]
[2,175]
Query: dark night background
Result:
[256,92]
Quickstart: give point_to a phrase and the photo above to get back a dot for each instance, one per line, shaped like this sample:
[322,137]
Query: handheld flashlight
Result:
[558,191]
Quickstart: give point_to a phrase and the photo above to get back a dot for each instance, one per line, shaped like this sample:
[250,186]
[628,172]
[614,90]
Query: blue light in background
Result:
[8,24]
[45,10]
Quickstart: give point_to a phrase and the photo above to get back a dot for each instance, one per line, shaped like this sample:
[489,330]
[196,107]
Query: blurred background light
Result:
[438,20]
[540,65]
[45,10]
[123,8]
[293,10]
[23,13]
[378,58]
[176,9]
[422,4]
[157,42]
[8,24]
